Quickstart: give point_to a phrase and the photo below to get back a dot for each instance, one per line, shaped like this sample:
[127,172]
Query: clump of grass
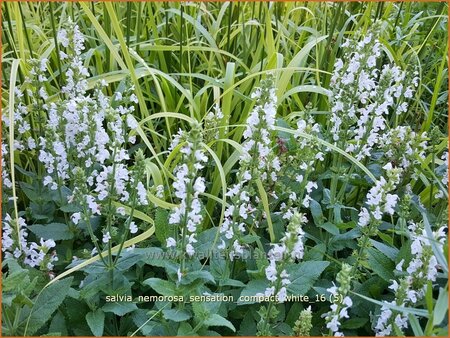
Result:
[224,149]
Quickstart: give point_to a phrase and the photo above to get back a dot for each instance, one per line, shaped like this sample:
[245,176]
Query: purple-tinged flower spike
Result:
[422,268]
[290,249]
[379,199]
[258,161]
[362,96]
[188,186]
[17,246]
[341,301]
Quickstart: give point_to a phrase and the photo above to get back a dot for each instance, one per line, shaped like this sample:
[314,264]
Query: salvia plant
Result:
[255,169]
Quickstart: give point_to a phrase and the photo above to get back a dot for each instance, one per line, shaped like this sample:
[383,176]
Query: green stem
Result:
[365,241]
[271,303]
[58,62]
[91,233]
[128,23]
[337,161]
[8,321]
[432,169]
[27,38]
[130,218]
[109,209]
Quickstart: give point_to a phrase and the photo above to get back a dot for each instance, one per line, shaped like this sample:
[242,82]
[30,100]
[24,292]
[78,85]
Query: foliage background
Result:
[182,57]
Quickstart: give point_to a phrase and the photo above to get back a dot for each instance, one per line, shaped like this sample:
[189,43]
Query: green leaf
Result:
[261,259]
[177,315]
[96,322]
[415,326]
[315,253]
[201,313]
[248,239]
[14,280]
[185,329]
[218,267]
[31,192]
[316,212]
[45,304]
[42,211]
[119,308]
[55,231]
[151,256]
[216,320]
[389,251]
[127,260]
[58,324]
[205,243]
[354,323]
[70,208]
[163,287]
[303,276]
[252,288]
[342,241]
[265,204]
[194,275]
[381,264]
[429,296]
[231,282]
[408,310]
[330,227]
[162,230]
[441,307]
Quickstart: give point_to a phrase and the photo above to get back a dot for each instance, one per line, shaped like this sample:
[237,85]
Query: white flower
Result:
[282,294]
[142,194]
[131,122]
[133,98]
[95,209]
[76,217]
[310,186]
[271,272]
[121,211]
[106,237]
[133,228]
[243,211]
[170,242]
[391,202]
[47,180]
[190,249]
[334,323]
[364,217]
[222,245]
[199,185]
[399,266]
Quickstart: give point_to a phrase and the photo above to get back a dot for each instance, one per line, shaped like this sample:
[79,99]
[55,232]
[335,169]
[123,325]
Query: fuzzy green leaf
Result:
[163,287]
[96,322]
[45,304]
[56,231]
[177,315]
[119,308]
[216,320]
[381,264]
[252,288]
[304,275]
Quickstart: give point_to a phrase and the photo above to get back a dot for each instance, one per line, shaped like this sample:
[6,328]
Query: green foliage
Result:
[96,322]
[44,305]
[185,62]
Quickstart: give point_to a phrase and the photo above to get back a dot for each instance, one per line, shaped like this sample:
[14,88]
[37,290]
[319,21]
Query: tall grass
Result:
[183,58]
[178,54]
